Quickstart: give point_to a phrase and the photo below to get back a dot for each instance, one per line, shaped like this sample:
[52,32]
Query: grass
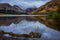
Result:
[55,16]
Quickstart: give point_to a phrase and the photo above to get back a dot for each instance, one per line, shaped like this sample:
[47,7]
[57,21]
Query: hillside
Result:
[49,6]
[52,10]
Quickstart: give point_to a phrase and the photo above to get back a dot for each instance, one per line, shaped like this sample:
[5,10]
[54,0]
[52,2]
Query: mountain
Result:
[6,8]
[18,9]
[50,6]
[52,10]
[29,10]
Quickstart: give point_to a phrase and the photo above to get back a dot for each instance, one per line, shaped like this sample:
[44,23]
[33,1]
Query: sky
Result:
[25,3]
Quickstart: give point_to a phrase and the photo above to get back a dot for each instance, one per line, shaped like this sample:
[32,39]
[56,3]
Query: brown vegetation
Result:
[53,8]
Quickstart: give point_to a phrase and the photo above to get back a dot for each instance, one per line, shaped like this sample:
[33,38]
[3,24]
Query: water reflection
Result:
[25,27]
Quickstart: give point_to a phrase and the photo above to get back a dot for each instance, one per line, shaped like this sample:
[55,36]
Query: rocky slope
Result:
[52,10]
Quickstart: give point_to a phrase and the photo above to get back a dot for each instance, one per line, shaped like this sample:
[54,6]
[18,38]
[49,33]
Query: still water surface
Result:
[25,27]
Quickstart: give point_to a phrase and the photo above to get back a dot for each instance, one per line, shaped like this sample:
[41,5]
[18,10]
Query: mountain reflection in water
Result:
[25,27]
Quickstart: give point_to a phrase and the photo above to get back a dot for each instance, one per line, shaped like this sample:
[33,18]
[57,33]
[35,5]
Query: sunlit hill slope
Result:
[52,10]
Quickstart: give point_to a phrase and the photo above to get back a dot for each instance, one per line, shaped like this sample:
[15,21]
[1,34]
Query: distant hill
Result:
[30,10]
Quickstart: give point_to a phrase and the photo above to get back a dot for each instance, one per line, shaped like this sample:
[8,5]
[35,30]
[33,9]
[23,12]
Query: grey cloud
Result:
[25,3]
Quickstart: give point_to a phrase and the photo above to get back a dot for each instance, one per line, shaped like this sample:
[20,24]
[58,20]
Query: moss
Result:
[1,33]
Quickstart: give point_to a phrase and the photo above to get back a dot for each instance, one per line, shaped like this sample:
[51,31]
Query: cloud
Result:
[25,3]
